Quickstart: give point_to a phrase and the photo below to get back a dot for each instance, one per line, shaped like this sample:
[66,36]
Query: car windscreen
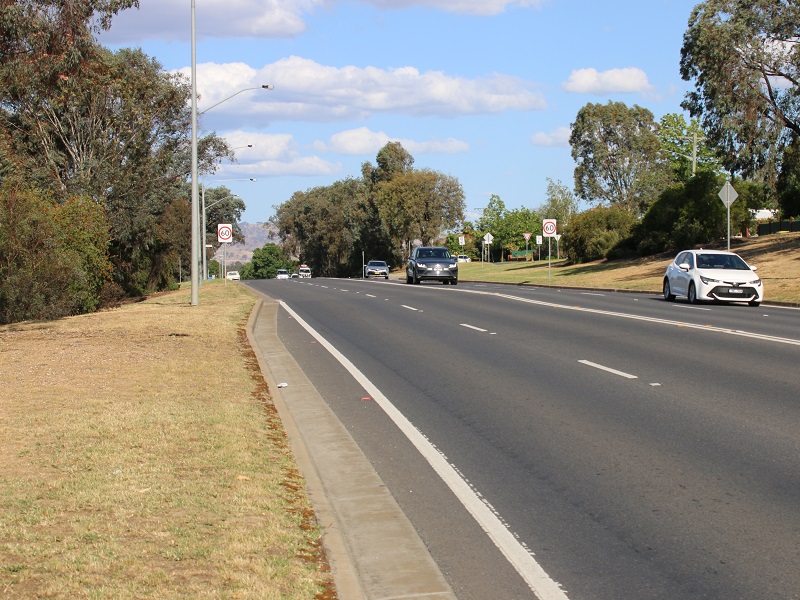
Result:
[376,263]
[721,261]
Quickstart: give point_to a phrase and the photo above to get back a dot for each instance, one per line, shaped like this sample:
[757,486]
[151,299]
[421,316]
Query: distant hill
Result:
[255,235]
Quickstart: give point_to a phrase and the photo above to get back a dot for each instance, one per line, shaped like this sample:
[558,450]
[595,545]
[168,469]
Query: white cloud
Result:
[469,7]
[591,81]
[306,90]
[270,155]
[365,141]
[557,138]
[167,19]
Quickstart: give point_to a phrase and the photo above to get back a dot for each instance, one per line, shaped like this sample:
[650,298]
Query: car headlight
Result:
[422,266]
[707,280]
[756,282]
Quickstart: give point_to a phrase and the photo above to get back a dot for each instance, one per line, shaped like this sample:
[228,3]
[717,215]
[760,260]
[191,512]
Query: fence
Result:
[776,226]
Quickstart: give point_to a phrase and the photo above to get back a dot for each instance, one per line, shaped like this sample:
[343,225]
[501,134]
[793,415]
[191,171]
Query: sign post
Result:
[224,236]
[487,239]
[549,231]
[527,236]
[728,195]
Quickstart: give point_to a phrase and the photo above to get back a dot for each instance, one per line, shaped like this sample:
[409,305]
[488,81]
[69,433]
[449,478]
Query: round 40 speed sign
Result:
[225,232]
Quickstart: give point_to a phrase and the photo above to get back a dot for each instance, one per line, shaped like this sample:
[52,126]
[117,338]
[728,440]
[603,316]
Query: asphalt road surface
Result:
[569,444]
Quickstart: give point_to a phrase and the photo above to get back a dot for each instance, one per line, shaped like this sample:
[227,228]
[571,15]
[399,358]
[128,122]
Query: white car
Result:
[233,275]
[463,258]
[713,275]
[282,274]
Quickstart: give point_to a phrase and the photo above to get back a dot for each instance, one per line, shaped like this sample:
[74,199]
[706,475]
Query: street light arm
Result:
[262,87]
[221,199]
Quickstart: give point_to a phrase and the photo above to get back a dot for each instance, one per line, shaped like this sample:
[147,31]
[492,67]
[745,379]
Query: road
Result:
[611,445]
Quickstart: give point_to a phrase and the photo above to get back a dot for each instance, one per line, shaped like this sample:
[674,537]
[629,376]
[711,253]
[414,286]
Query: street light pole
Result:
[195,296]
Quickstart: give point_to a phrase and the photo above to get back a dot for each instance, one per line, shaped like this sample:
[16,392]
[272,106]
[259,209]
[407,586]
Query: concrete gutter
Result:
[373,549]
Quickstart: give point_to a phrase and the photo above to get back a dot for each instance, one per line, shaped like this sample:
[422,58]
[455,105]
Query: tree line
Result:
[94,164]
[652,186]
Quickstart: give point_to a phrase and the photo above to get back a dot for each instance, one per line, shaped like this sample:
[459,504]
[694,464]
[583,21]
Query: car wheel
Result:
[387,277]
[454,282]
[668,295]
[416,279]
[408,278]
[754,303]
[691,295]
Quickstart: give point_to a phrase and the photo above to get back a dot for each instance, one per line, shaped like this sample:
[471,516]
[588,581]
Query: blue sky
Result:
[483,90]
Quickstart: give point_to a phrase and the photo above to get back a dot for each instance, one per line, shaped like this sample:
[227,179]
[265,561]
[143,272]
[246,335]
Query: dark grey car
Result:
[376,268]
[432,263]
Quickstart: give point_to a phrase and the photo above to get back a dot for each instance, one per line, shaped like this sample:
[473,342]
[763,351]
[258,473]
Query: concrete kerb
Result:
[373,549]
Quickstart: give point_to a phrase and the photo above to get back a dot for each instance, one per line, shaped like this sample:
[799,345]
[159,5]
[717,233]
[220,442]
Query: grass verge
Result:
[141,457]
[776,256]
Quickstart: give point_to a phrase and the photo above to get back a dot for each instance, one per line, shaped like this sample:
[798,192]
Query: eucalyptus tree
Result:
[686,146]
[618,156]
[560,204]
[744,61]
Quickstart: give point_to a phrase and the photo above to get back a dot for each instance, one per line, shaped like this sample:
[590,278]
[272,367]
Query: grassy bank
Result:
[141,457]
[776,256]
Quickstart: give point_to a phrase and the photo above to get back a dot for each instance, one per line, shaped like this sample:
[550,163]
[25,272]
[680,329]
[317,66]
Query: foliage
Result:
[266,262]
[53,259]
[618,156]
[692,213]
[221,207]
[789,180]
[332,227]
[743,60]
[686,148]
[560,204]
[592,234]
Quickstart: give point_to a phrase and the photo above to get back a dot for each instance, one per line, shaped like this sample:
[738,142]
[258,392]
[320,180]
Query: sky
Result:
[481,90]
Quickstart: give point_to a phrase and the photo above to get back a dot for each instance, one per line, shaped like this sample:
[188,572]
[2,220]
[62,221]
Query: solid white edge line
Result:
[608,369]
[520,558]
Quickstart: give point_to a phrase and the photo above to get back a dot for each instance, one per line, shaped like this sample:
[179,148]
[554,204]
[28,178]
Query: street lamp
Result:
[196,250]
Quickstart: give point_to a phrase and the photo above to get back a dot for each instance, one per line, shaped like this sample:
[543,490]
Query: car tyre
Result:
[691,295]
[454,282]
[408,278]
[387,277]
[668,295]
[754,303]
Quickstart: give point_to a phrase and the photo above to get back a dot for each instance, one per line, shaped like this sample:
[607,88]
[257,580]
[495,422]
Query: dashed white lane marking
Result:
[473,327]
[608,369]
[409,307]
[515,552]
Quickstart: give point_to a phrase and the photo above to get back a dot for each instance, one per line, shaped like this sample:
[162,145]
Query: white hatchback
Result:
[713,275]
[282,274]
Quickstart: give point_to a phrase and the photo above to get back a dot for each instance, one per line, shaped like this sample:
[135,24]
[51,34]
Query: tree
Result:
[789,180]
[593,234]
[560,204]
[686,148]
[421,204]
[266,262]
[618,156]
[743,60]
[391,160]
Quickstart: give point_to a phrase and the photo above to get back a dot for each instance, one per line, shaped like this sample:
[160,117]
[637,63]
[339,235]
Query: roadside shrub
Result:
[591,235]
[53,259]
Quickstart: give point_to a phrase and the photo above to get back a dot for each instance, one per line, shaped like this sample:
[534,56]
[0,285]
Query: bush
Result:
[593,234]
[53,259]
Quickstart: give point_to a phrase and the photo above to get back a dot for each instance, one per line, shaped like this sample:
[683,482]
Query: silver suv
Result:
[432,263]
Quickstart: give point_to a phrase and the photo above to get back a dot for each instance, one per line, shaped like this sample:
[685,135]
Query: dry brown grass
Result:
[141,457]
[776,256]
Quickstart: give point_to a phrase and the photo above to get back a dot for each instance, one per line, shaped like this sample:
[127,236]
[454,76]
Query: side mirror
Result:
[753,268]
[684,266]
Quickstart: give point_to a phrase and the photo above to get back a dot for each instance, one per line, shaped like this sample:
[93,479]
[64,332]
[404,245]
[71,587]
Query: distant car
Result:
[463,258]
[712,275]
[233,275]
[295,276]
[376,268]
[282,274]
[304,272]
[432,263]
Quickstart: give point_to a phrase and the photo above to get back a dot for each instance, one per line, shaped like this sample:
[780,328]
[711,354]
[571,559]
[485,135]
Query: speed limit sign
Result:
[225,232]
[549,227]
